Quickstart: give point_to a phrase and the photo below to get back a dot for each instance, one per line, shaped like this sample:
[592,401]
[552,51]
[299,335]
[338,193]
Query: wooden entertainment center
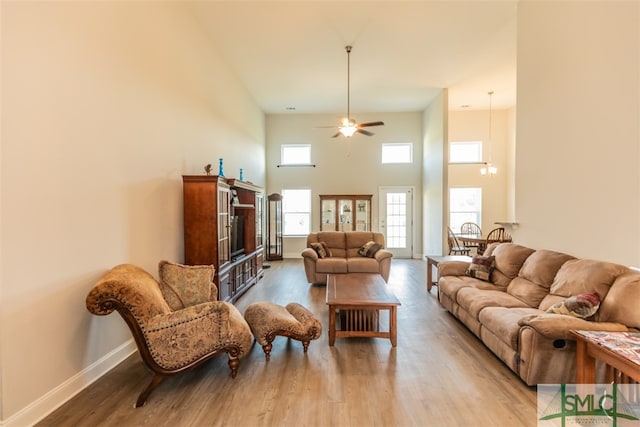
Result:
[223,227]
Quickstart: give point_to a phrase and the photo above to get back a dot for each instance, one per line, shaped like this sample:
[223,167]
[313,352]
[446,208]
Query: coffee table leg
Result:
[393,333]
[332,325]
[429,275]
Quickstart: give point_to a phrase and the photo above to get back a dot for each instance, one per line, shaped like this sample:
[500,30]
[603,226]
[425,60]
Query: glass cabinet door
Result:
[346,214]
[362,215]
[328,215]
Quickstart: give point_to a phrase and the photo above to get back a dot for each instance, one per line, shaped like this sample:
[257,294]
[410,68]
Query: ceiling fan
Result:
[348,125]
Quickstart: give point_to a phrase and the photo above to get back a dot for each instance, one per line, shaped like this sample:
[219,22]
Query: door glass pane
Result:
[396,220]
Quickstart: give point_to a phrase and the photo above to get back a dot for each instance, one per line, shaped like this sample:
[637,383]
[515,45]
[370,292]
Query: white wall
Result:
[104,106]
[343,166]
[434,173]
[474,126]
[578,136]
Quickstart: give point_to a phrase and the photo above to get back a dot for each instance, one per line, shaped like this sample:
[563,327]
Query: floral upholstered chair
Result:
[177,324]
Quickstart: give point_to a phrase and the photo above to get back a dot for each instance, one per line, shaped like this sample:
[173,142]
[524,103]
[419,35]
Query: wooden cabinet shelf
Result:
[222,215]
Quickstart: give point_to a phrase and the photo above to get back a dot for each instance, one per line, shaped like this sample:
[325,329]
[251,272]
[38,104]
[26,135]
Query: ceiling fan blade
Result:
[336,135]
[324,127]
[371,124]
[365,132]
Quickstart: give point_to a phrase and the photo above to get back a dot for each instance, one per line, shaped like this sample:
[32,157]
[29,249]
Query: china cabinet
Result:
[274,229]
[345,212]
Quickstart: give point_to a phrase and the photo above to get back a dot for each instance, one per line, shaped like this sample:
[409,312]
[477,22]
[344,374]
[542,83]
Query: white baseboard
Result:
[55,398]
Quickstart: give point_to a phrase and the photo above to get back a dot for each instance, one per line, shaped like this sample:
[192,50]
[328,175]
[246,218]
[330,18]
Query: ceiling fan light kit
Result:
[348,126]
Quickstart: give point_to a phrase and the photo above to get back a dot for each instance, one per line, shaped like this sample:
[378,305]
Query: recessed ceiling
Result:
[291,57]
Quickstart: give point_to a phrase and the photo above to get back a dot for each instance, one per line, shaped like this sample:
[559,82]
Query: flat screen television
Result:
[237,235]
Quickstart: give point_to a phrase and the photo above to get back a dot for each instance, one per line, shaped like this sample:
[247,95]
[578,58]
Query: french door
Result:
[396,220]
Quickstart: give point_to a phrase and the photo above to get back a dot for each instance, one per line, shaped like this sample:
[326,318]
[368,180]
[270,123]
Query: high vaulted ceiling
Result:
[291,55]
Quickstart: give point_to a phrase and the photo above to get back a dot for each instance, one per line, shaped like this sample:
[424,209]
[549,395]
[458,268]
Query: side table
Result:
[616,349]
[434,260]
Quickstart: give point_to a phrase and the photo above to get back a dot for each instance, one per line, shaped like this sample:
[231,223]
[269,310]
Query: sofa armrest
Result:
[557,326]
[452,268]
[382,254]
[310,253]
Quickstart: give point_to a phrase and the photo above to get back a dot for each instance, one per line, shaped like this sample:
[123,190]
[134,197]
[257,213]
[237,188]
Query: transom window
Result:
[295,154]
[465,152]
[465,205]
[398,152]
[296,212]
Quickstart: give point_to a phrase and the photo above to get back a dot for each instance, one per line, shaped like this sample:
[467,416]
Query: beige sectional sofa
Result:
[344,257]
[509,312]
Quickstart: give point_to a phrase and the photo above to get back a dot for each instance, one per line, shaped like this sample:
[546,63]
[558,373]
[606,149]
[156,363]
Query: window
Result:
[397,153]
[296,212]
[295,154]
[465,205]
[465,152]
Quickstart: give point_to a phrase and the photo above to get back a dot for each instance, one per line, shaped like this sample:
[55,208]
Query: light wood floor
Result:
[439,374]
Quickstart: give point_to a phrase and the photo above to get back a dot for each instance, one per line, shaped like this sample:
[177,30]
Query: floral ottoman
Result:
[268,320]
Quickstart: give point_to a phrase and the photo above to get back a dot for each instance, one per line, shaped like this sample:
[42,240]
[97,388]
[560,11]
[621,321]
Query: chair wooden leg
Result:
[267,351]
[142,399]
[234,363]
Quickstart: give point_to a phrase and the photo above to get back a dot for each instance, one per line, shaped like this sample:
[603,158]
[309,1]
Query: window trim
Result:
[309,213]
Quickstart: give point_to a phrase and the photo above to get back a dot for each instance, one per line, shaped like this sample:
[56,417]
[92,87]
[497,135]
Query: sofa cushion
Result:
[369,249]
[331,265]
[474,300]
[503,322]
[509,260]
[321,249]
[335,241]
[354,240]
[451,285]
[481,267]
[536,275]
[582,306]
[621,302]
[580,276]
[362,265]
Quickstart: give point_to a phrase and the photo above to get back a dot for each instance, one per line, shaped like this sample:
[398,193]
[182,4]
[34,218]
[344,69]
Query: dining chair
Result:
[470,228]
[455,247]
[498,235]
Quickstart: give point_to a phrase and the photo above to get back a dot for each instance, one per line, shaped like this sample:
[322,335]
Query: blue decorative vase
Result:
[221,167]
[241,175]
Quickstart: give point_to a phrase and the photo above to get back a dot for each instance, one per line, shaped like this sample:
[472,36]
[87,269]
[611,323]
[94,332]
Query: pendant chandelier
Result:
[488,168]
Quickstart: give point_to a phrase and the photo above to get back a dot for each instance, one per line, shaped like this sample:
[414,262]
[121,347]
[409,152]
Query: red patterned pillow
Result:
[481,267]
[321,249]
[369,249]
[581,306]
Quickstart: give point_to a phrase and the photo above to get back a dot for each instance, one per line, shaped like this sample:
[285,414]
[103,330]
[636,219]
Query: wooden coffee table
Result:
[359,297]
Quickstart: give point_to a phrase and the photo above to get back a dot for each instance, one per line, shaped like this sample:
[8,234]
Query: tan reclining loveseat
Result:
[509,312]
[344,255]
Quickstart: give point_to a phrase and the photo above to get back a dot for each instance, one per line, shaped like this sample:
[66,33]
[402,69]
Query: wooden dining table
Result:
[475,241]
